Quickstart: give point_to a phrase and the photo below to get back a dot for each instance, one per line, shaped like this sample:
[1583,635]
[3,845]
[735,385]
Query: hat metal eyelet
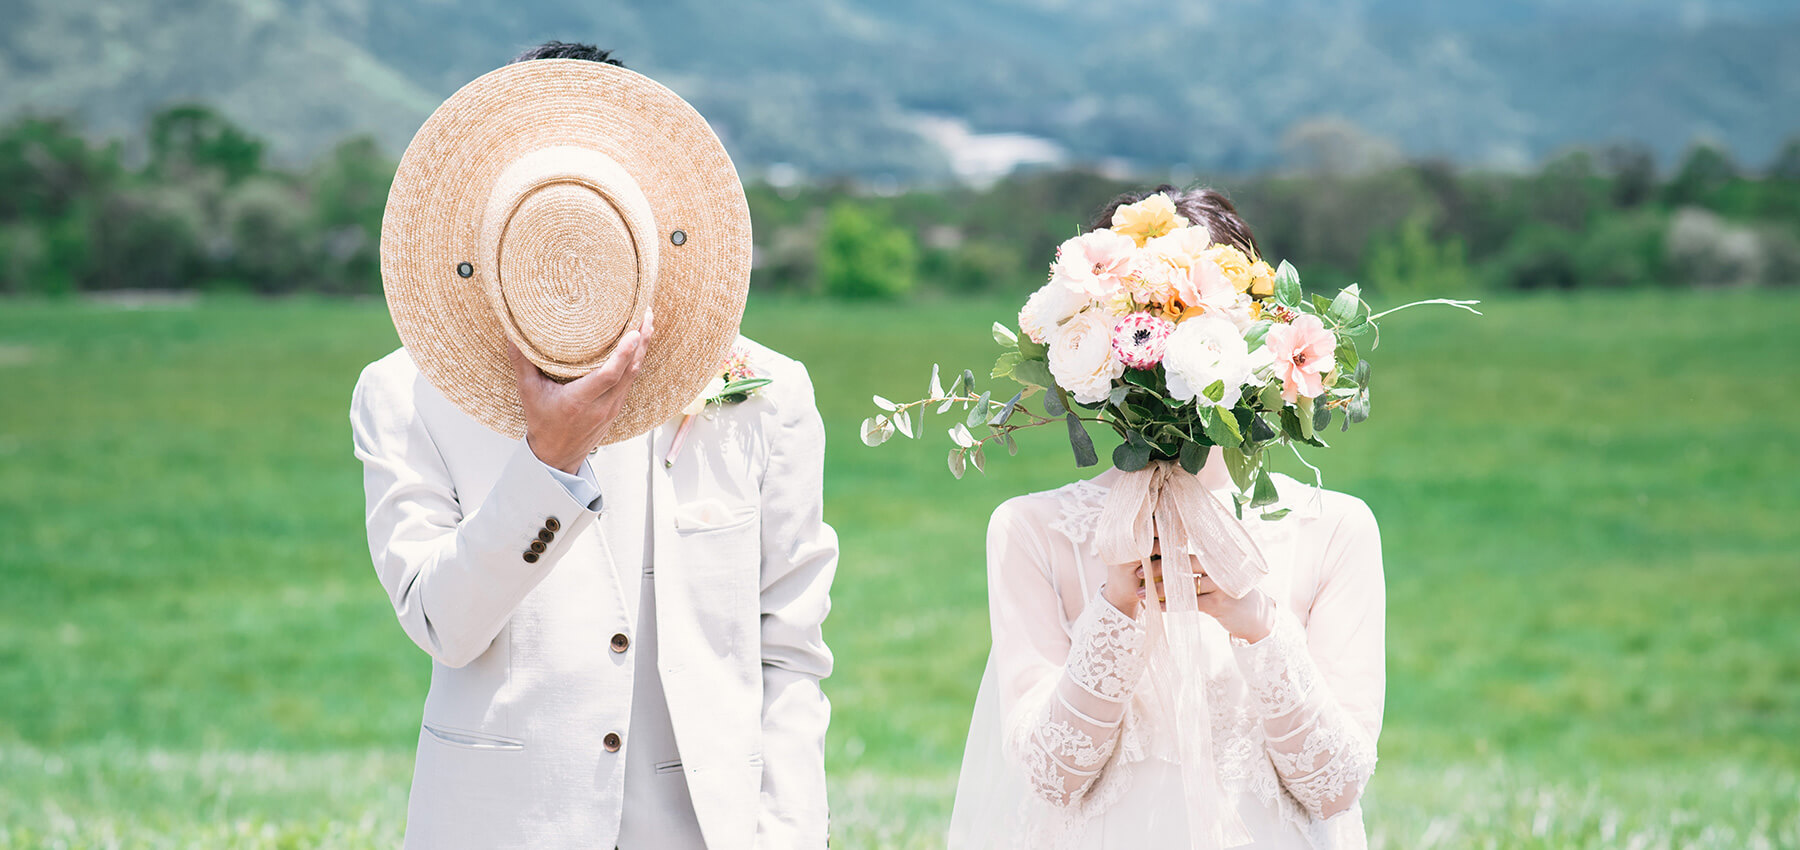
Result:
[465,270]
[679,237]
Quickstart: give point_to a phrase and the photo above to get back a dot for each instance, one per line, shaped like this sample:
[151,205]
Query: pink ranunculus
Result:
[1304,352]
[1140,338]
[1094,264]
[1204,284]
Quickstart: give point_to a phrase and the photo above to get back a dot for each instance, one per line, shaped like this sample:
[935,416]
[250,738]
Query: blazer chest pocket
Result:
[722,563]
[469,739]
[710,534]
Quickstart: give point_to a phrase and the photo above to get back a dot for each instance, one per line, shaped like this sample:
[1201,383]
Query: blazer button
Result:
[620,642]
[552,524]
[530,557]
[537,546]
[546,535]
[611,742]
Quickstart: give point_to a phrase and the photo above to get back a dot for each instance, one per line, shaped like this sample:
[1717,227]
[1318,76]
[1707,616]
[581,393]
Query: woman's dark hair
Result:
[568,50]
[1199,206]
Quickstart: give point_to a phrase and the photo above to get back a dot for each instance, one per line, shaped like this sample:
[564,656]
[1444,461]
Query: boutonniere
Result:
[736,382]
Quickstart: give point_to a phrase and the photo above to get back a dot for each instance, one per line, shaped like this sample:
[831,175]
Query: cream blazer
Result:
[516,747]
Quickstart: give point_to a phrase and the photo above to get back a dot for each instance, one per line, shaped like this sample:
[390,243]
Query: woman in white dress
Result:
[1075,743]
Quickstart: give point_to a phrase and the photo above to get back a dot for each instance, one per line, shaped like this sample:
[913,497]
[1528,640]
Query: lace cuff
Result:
[1069,727]
[1324,758]
[1106,651]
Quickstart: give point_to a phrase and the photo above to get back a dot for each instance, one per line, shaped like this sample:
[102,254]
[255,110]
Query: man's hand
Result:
[563,422]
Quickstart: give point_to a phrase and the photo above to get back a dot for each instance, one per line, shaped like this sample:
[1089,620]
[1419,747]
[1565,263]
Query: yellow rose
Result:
[1234,264]
[1147,219]
[1262,280]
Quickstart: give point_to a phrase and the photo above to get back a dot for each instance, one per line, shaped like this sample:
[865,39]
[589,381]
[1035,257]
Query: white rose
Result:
[1239,312]
[1081,357]
[1203,350]
[1048,308]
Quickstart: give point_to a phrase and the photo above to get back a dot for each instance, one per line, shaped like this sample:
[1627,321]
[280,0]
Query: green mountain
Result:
[918,89]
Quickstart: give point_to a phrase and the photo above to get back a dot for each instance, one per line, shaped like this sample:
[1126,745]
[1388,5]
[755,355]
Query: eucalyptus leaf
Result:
[1131,456]
[1080,442]
[937,386]
[1193,457]
[961,437]
[1004,336]
[1359,408]
[1012,445]
[903,421]
[876,430]
[1006,410]
[1054,404]
[1321,417]
[957,463]
[979,413]
[1035,373]
[979,459]
[1118,396]
[1362,374]
[886,405]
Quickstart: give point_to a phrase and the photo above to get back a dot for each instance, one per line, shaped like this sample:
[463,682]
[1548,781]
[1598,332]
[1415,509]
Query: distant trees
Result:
[204,211]
[200,207]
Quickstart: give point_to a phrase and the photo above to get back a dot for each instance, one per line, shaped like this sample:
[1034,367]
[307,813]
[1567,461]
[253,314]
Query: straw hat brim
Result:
[433,224]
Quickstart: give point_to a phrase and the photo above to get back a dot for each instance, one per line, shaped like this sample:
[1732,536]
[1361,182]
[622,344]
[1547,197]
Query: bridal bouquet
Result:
[1178,344]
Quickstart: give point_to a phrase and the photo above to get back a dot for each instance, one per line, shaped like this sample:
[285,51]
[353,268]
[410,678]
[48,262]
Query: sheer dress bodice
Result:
[1294,716]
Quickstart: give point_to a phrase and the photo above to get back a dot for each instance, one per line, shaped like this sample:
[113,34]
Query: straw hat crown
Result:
[551,203]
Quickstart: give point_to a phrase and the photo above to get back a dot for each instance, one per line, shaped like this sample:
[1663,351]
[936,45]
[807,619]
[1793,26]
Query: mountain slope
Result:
[840,86]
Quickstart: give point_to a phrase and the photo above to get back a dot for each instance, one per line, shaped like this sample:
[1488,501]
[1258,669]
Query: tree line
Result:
[198,205]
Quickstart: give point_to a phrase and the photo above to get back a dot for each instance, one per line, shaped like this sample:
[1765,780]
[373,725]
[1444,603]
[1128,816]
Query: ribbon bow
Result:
[1163,504]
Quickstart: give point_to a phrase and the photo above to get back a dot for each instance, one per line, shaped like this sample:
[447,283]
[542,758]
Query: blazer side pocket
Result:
[471,740]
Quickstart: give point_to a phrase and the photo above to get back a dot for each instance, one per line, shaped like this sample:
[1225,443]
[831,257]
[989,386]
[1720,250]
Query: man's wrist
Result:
[569,462]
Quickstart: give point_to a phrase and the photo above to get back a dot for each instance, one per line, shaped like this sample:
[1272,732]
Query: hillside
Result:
[864,86]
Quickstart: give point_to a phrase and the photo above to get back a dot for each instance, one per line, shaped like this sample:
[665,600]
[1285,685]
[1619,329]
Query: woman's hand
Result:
[1248,619]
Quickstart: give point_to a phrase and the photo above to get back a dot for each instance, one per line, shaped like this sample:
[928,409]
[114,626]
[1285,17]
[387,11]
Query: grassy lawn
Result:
[1587,507]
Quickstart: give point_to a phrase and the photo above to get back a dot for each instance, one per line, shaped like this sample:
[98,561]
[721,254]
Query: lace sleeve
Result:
[1062,686]
[1064,731]
[1318,689]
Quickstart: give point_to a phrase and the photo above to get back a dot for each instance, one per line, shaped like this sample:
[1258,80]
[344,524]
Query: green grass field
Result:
[1588,507]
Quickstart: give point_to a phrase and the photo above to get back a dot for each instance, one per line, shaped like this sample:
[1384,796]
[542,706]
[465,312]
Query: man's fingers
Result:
[595,384]
[523,369]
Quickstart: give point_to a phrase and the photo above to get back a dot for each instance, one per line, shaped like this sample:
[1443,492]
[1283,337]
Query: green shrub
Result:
[862,255]
[1624,250]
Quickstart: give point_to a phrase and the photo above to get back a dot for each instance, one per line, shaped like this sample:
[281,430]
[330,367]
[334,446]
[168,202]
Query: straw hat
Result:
[551,202]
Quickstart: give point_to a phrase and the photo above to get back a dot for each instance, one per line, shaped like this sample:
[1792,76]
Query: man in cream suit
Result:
[625,638]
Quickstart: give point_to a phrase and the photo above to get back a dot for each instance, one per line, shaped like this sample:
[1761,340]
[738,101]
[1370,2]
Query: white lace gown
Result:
[1071,745]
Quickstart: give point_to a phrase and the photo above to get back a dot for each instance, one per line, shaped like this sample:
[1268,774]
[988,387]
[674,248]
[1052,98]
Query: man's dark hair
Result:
[568,50]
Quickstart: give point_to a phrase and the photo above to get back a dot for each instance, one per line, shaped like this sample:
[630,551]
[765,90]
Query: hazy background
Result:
[1586,496]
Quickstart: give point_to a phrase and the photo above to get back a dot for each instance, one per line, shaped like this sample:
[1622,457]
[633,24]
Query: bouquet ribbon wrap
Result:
[1163,503]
